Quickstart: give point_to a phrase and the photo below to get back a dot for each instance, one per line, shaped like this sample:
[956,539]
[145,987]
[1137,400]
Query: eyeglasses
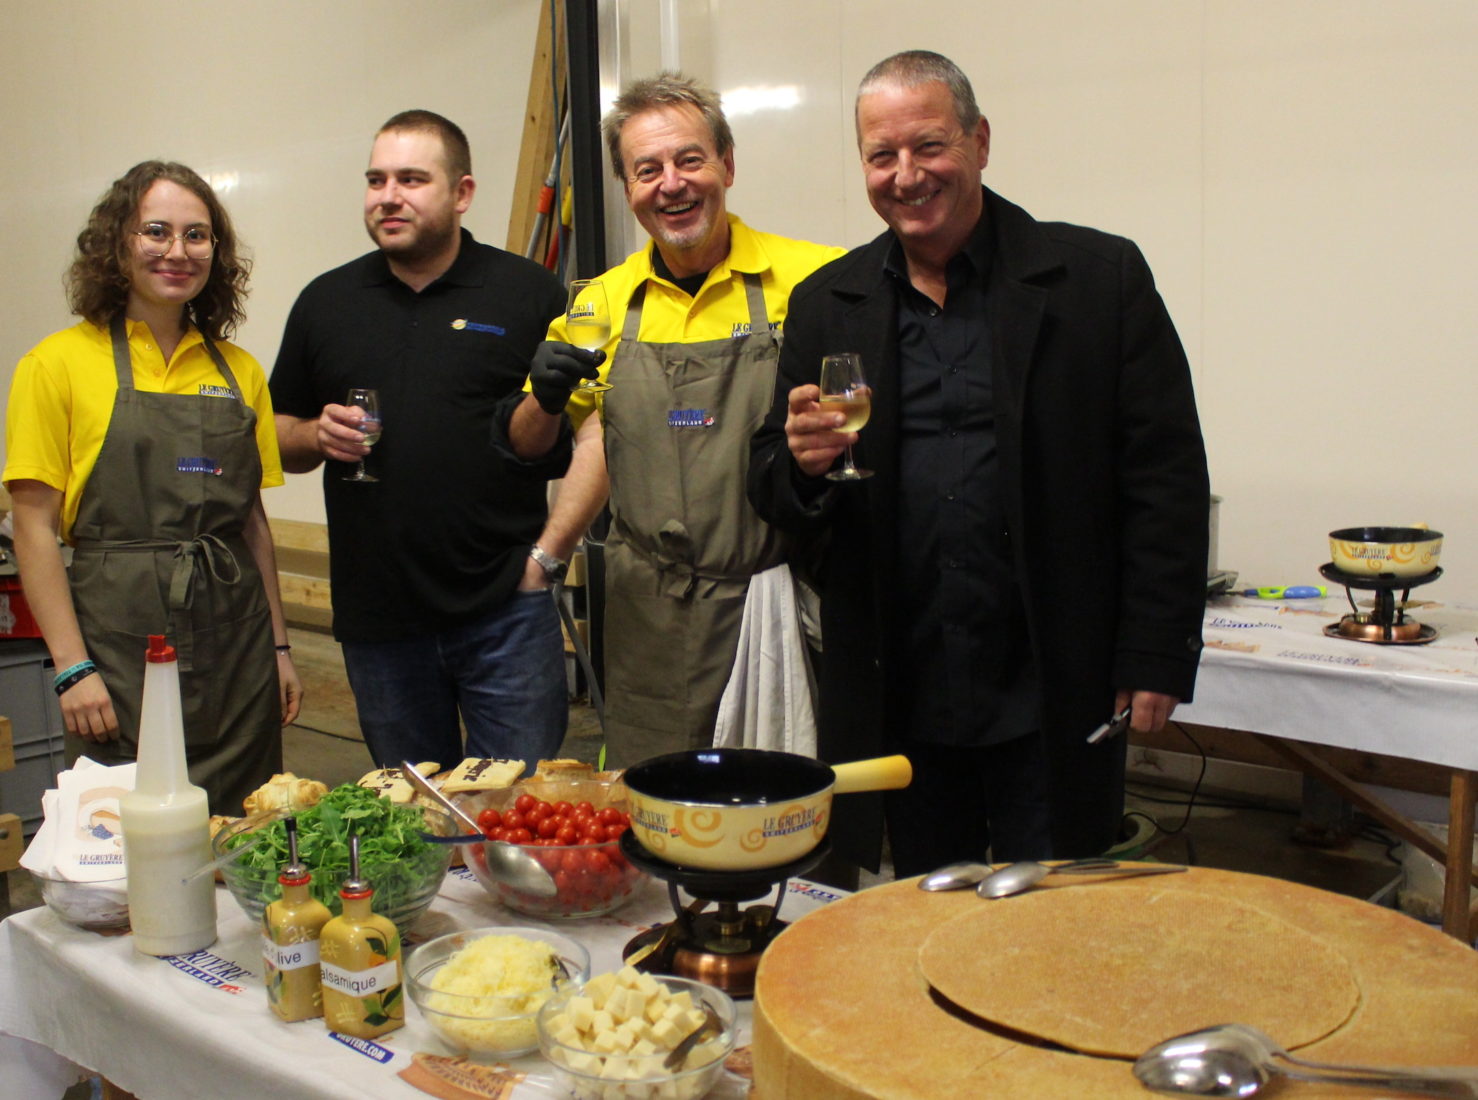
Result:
[156,240]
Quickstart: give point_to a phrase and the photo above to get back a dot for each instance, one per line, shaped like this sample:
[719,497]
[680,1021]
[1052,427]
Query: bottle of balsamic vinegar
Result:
[359,957]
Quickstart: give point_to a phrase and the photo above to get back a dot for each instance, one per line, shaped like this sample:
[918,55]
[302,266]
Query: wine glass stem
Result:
[850,466]
[361,469]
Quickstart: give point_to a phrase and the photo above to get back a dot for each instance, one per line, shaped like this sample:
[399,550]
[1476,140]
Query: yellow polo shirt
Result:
[720,308]
[61,401]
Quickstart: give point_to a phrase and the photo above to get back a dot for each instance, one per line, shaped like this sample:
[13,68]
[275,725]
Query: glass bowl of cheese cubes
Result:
[611,1039]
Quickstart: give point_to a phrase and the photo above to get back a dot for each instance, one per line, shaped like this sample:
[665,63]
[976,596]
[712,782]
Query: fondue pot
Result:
[1392,551]
[744,809]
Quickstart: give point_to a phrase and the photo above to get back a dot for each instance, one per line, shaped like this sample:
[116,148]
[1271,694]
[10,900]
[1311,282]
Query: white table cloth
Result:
[199,1026]
[1269,668]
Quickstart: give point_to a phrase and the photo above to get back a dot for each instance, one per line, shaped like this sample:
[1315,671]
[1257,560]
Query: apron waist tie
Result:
[189,555]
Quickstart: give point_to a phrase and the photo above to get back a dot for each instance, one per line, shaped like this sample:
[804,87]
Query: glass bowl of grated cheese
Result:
[481,990]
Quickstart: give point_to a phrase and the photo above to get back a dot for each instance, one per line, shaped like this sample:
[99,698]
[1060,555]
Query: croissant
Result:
[283,791]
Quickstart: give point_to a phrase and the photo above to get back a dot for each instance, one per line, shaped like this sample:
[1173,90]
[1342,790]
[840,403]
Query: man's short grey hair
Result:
[911,68]
[666,89]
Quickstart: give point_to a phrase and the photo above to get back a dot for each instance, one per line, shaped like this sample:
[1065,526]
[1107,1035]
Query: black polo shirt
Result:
[441,539]
[967,666]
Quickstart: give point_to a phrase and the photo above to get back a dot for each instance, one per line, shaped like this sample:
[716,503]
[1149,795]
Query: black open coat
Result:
[1103,474]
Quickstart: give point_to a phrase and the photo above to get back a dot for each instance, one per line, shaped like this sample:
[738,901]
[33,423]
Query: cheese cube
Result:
[666,1034]
[683,999]
[601,1020]
[580,1012]
[605,1042]
[599,988]
[628,976]
[644,1046]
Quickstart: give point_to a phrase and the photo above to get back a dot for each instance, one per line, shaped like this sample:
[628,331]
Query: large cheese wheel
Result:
[842,1010]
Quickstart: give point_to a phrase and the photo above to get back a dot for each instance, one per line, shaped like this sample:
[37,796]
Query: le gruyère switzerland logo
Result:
[198,464]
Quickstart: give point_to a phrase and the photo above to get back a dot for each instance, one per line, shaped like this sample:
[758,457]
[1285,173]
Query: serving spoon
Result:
[1237,1060]
[1020,877]
[506,862]
[957,876]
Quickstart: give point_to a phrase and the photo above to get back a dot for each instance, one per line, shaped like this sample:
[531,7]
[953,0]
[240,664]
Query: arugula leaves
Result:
[393,856]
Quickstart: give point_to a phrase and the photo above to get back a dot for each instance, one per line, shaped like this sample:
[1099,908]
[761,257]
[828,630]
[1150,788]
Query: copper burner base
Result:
[707,953]
[1365,628]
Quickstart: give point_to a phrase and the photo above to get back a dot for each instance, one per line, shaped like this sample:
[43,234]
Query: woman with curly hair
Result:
[142,438]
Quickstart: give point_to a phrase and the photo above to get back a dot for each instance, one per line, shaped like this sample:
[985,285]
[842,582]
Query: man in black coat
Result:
[1029,555]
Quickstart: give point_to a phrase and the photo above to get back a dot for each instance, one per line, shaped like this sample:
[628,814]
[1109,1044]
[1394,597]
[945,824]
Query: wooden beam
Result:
[1457,912]
[540,129]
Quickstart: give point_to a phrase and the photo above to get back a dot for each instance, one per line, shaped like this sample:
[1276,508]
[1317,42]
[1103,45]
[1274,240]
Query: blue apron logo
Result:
[198,465]
[689,418]
[477,326]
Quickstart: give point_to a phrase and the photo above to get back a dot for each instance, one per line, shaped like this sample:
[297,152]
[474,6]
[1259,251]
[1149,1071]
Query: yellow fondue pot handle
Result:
[882,773]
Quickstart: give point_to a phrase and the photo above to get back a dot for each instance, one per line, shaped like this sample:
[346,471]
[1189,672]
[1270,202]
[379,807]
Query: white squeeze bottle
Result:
[166,824]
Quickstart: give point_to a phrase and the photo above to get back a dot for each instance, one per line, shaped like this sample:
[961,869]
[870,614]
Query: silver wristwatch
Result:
[554,568]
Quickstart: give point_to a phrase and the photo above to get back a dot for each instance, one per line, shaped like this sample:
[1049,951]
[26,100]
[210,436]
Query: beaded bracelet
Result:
[80,671]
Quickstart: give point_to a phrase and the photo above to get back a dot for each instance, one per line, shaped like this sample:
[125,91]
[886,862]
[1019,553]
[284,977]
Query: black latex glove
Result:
[557,369]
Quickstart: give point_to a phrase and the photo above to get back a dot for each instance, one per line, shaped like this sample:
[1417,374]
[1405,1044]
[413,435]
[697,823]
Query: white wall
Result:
[1300,174]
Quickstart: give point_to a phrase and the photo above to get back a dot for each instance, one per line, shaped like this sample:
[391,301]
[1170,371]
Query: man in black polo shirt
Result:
[1029,556]
[438,604]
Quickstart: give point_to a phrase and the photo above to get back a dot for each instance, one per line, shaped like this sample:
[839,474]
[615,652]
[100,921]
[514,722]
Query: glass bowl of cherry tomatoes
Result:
[573,828]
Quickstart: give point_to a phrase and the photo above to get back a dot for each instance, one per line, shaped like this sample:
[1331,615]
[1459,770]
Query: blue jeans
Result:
[504,674]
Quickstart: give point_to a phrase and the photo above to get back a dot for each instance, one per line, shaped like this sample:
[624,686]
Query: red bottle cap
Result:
[159,653]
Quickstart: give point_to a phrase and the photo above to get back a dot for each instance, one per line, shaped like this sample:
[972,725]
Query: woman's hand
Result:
[87,709]
[289,688]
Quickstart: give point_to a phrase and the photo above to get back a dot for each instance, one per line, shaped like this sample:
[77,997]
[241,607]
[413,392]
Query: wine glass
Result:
[588,323]
[845,390]
[368,402]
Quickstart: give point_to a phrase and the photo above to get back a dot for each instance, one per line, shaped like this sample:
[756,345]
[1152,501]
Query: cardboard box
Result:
[16,620]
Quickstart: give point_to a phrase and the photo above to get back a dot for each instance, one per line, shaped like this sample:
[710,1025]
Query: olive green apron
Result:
[684,540]
[159,550]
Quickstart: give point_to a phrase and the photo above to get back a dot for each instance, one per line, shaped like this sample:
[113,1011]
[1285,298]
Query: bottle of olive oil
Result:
[290,930]
[359,957]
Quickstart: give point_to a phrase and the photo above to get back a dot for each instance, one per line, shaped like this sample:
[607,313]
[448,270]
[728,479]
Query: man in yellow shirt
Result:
[691,365]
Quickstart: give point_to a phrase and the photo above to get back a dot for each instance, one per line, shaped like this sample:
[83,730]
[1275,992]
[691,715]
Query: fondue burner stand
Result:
[721,946]
[1386,623]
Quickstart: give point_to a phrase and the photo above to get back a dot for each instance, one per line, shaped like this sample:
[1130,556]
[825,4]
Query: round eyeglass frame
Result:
[191,248]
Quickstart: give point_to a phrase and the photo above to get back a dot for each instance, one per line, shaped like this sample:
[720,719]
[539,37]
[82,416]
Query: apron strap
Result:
[632,325]
[754,292]
[122,360]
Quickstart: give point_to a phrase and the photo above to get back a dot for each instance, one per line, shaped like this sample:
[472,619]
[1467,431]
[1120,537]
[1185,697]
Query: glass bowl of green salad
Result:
[398,852]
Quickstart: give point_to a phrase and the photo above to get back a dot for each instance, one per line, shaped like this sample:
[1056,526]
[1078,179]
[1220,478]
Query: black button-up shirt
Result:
[967,667]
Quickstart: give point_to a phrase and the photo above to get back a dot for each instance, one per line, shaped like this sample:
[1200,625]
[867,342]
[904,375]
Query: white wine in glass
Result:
[588,322]
[845,390]
[367,402]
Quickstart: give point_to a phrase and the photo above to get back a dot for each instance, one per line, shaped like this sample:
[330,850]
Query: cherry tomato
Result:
[584,807]
[519,835]
[613,832]
[515,819]
[546,826]
[597,862]
[573,862]
[566,834]
[489,819]
[524,803]
[539,812]
[563,808]
[609,815]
